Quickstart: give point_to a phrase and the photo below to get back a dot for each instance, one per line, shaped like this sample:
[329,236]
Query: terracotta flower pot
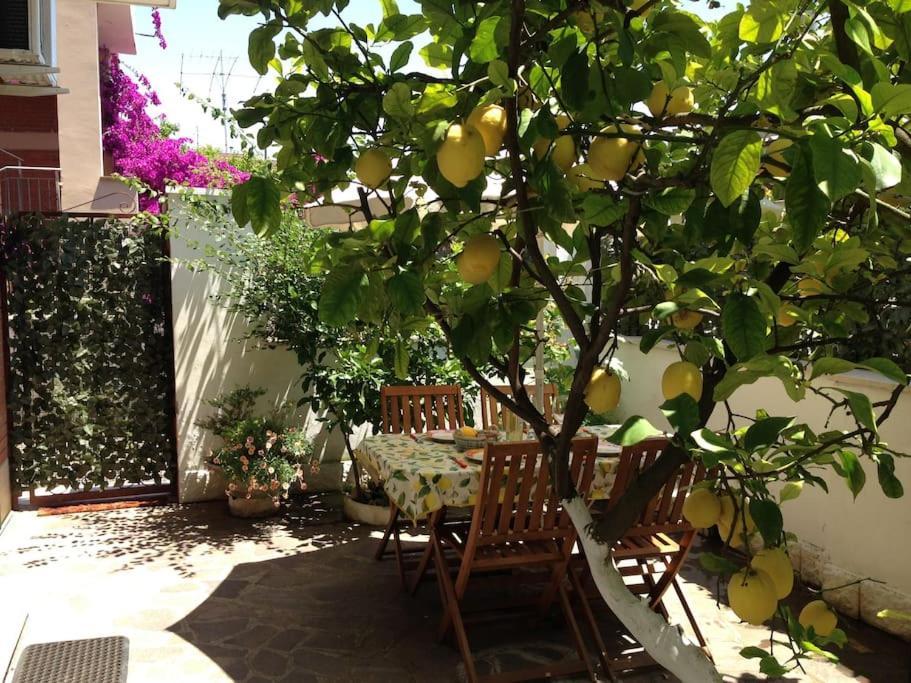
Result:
[374,515]
[255,506]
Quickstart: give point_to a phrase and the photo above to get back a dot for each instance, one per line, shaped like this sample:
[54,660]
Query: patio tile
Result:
[205,598]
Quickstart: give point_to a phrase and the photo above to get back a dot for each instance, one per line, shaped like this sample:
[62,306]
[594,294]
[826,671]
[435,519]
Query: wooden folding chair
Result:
[517,522]
[409,410]
[492,411]
[652,552]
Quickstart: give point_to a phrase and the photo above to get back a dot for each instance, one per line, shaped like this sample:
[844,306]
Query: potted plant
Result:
[260,457]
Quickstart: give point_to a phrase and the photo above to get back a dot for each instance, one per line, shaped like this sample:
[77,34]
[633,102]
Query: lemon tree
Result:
[736,184]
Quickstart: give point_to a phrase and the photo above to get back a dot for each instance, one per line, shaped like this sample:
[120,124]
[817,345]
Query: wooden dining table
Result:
[421,475]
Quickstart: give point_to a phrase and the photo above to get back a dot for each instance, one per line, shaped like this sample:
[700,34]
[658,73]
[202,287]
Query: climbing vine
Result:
[90,365]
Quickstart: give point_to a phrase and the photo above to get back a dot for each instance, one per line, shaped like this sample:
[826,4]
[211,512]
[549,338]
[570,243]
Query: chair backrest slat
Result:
[517,501]
[492,411]
[664,512]
[407,409]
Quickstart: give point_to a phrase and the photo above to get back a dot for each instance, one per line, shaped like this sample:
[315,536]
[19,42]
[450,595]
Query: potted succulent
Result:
[260,457]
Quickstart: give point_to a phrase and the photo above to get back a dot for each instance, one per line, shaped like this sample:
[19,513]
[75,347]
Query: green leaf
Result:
[671,201]
[837,170]
[263,205]
[682,412]
[484,46]
[763,22]
[239,204]
[401,359]
[887,369]
[769,521]
[753,652]
[716,564]
[861,408]
[899,6]
[885,470]
[341,295]
[765,432]
[665,309]
[735,165]
[600,209]
[829,365]
[261,46]
[406,292]
[790,491]
[890,100]
[884,166]
[857,32]
[771,667]
[397,101]
[400,56]
[634,430]
[744,326]
[849,467]
[807,206]
[498,72]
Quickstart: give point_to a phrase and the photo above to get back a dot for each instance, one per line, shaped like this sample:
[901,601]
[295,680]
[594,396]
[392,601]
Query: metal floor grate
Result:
[94,660]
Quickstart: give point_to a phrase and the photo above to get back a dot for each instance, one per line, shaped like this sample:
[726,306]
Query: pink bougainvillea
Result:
[156,26]
[138,147]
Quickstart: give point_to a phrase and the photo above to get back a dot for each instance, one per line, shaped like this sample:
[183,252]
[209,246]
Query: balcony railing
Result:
[29,189]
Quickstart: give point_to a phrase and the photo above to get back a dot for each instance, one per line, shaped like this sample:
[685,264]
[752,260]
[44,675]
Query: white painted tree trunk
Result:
[663,641]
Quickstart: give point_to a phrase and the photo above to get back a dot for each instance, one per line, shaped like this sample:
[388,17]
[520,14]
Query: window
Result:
[14,25]
[26,31]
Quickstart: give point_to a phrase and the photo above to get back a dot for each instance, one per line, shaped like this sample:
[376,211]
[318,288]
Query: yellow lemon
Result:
[686,320]
[461,156]
[776,165]
[479,259]
[373,168]
[751,594]
[602,394]
[787,315]
[776,563]
[582,178]
[731,514]
[563,149]
[490,122]
[681,377]
[820,616]
[736,539]
[444,484]
[469,432]
[681,100]
[611,158]
[702,508]
[810,286]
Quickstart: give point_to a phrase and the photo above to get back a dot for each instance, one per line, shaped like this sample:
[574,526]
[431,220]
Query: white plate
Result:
[475,455]
[442,436]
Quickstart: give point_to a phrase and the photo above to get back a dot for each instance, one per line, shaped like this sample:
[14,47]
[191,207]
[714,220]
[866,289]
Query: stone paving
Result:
[204,597]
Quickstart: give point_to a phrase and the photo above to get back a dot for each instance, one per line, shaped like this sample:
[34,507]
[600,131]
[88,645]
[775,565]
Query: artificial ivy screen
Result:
[90,361]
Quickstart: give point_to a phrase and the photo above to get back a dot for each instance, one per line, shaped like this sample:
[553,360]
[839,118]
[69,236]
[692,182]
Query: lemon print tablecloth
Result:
[421,475]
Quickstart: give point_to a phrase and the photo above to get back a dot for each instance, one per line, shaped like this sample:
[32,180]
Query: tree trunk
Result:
[663,641]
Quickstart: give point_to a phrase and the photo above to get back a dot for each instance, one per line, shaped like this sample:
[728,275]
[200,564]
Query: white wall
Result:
[211,357]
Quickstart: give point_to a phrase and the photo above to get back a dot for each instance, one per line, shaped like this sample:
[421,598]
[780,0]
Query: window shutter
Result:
[14,21]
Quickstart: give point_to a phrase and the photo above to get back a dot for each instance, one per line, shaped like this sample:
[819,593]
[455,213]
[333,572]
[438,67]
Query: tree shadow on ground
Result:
[335,614]
[174,533]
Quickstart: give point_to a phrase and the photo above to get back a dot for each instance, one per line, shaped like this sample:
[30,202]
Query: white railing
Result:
[29,189]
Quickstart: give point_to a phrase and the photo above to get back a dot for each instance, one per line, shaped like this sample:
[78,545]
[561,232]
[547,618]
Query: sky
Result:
[208,57]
